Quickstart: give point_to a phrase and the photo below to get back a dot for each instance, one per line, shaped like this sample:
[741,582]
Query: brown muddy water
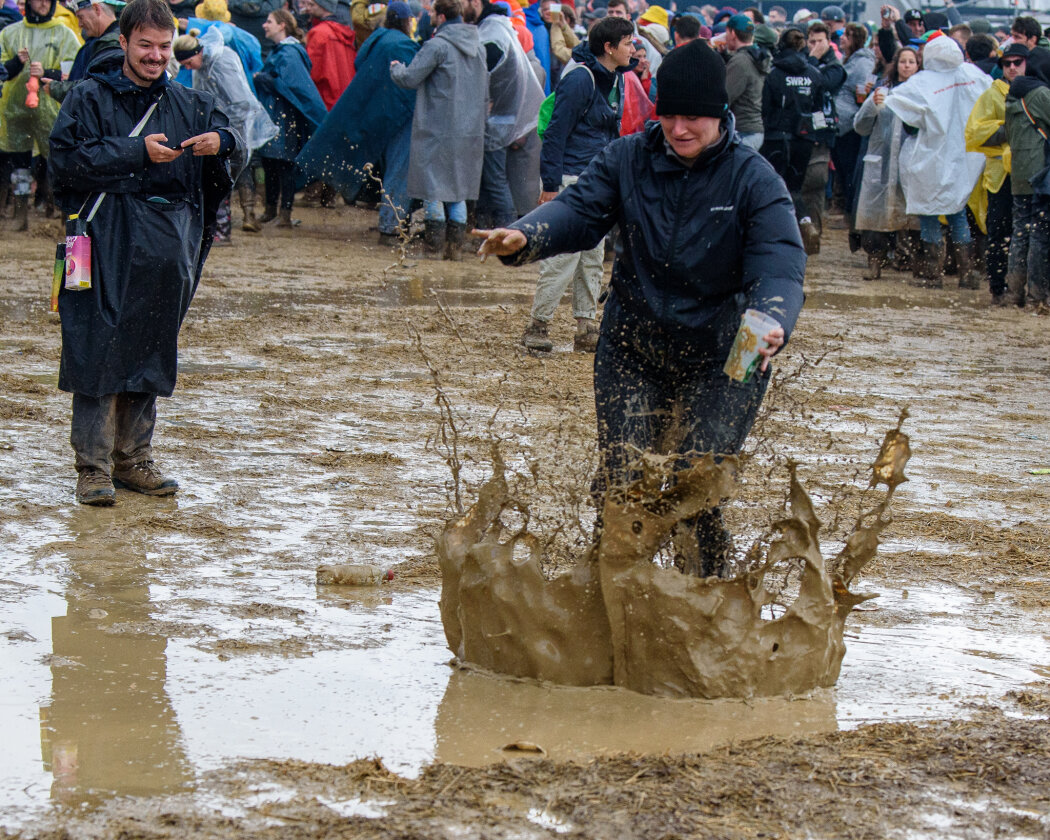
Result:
[161,649]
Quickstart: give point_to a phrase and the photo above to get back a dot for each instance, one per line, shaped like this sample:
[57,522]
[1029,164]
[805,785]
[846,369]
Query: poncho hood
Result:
[941,55]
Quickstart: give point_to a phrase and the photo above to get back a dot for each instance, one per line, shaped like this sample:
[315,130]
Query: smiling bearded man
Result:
[159,152]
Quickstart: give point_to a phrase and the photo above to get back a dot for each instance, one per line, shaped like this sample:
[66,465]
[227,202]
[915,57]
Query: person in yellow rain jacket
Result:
[986,133]
[32,48]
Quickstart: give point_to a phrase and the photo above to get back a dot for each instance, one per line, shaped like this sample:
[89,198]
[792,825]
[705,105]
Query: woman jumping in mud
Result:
[709,231]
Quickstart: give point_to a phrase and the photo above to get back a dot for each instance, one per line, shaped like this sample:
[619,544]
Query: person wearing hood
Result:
[33,48]
[859,64]
[218,70]
[451,80]
[515,97]
[1027,129]
[215,14]
[937,173]
[98,23]
[746,72]
[330,45]
[790,99]
[291,99]
[707,232]
[881,218]
[147,162]
[370,127]
[541,42]
[986,133]
[588,105]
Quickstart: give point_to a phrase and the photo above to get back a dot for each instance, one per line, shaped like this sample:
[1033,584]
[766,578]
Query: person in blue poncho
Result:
[293,103]
[369,129]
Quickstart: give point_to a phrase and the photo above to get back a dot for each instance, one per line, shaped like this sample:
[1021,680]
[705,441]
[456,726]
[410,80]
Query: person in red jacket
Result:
[330,45]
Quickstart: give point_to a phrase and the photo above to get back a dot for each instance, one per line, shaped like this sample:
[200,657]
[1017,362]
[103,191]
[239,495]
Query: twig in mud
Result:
[443,309]
[447,431]
[404,232]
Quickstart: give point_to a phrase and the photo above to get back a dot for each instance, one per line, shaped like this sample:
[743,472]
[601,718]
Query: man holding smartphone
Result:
[150,211]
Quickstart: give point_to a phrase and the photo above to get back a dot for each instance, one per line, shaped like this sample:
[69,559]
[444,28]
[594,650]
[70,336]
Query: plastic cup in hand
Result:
[555,11]
[750,338]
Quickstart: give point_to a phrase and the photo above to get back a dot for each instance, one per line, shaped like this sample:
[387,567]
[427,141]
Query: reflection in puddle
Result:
[111,701]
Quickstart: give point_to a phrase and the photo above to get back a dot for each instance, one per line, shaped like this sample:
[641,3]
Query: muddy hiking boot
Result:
[269,214]
[810,237]
[284,218]
[536,337]
[145,477]
[95,488]
[586,338]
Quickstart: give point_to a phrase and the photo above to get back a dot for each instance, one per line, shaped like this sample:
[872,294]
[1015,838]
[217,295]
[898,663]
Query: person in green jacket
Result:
[1027,129]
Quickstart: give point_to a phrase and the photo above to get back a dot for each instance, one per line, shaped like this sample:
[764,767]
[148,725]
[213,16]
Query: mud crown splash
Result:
[617,618]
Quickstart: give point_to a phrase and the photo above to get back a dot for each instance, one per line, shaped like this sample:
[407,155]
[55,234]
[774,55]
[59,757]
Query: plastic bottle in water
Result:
[352,574]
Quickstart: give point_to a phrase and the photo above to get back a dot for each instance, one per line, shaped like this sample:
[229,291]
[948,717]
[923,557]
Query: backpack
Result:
[547,106]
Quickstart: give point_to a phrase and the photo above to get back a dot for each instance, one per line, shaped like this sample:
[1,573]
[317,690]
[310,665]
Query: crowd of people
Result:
[925,131]
[708,143]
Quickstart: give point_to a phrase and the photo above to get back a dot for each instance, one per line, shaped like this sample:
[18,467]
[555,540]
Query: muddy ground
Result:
[172,671]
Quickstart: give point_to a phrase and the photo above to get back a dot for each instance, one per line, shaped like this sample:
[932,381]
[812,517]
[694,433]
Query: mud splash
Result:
[619,618]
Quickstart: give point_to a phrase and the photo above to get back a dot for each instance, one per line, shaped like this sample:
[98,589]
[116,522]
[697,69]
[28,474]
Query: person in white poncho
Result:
[937,173]
[217,69]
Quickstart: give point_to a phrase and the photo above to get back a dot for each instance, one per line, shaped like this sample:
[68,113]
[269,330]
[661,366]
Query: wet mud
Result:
[618,617]
[172,668]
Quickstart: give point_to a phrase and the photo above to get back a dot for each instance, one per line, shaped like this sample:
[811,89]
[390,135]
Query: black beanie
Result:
[691,82]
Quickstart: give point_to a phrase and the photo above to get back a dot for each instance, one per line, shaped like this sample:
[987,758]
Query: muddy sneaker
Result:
[145,477]
[95,488]
[810,237]
[536,337]
[586,338]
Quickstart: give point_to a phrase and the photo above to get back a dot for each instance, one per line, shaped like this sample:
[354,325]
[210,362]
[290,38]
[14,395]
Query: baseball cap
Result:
[1014,51]
[740,23]
[912,14]
[400,9]
[832,13]
[801,15]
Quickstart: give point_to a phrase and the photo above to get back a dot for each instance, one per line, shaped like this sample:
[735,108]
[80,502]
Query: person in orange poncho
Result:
[330,45]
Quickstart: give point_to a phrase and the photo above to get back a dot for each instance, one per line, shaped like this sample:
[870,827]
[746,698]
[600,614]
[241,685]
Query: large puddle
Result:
[109,691]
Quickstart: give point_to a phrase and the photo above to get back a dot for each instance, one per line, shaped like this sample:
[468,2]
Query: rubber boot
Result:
[455,233]
[247,196]
[285,218]
[21,213]
[434,237]
[929,265]
[269,215]
[875,263]
[969,276]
